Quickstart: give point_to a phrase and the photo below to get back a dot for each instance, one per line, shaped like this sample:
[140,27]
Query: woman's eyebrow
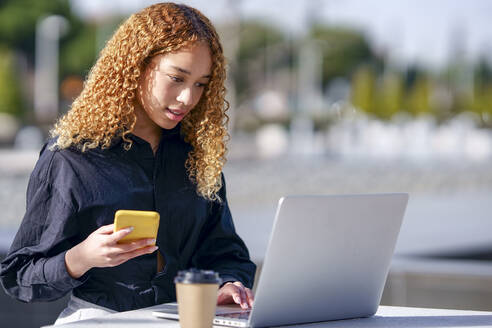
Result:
[182,70]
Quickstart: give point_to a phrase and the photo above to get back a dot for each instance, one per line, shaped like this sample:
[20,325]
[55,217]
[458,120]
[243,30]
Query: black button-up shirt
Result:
[71,194]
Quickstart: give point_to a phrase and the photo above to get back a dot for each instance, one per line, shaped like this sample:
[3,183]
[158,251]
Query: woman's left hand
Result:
[235,292]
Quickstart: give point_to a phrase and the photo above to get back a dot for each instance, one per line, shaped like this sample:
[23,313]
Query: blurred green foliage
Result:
[255,36]
[258,41]
[363,89]
[78,51]
[18,20]
[386,95]
[418,97]
[264,50]
[390,99]
[418,92]
[10,92]
[378,89]
[481,102]
[343,50]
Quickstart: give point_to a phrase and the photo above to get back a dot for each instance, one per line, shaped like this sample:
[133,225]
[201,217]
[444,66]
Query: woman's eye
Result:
[200,85]
[175,78]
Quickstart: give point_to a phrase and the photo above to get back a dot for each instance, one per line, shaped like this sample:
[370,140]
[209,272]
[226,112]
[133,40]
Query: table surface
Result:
[386,316]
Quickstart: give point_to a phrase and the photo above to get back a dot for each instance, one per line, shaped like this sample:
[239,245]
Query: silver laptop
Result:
[327,259]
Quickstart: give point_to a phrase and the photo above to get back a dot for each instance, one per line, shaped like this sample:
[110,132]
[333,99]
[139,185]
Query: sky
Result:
[416,31]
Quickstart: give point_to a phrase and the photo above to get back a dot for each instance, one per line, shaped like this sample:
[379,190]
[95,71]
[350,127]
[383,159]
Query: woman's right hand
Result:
[101,249]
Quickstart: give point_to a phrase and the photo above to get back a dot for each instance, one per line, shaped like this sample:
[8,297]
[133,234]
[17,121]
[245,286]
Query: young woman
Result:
[147,133]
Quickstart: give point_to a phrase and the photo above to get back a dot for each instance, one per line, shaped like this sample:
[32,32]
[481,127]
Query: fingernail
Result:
[154,248]
[129,229]
[151,241]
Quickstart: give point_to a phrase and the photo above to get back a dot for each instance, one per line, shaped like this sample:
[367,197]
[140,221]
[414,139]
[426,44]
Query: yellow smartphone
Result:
[145,224]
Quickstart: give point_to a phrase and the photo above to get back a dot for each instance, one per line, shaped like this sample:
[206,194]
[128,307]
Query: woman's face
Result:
[172,85]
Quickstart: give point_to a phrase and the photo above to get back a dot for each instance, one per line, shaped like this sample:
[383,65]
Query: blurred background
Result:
[327,97]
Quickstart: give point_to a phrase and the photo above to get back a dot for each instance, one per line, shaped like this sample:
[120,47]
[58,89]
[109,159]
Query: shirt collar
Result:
[166,133]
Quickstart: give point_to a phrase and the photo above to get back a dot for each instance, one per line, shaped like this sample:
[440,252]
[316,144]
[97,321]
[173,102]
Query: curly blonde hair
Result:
[105,108]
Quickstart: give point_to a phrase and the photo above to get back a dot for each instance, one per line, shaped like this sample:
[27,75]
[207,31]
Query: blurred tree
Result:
[10,93]
[418,98]
[389,96]
[411,74]
[363,89]
[482,72]
[18,20]
[78,51]
[255,36]
[481,102]
[257,41]
[343,51]
[459,78]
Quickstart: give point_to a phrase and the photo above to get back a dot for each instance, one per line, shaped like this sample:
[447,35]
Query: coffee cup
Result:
[196,291]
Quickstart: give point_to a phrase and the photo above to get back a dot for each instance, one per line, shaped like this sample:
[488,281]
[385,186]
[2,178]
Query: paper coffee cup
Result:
[196,291]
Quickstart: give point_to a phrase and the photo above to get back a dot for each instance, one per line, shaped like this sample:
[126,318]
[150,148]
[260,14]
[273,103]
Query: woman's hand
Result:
[235,292]
[101,249]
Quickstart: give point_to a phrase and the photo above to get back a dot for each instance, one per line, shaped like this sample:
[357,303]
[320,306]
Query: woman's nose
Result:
[185,97]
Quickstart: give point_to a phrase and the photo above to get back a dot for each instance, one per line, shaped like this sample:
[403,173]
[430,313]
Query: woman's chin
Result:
[168,125]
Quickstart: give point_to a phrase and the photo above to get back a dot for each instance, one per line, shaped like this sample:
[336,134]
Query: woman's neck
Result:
[146,129]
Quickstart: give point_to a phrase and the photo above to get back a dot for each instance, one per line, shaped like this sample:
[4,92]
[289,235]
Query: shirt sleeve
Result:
[221,249]
[34,269]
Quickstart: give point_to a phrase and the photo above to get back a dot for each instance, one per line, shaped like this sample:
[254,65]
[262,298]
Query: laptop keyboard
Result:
[236,315]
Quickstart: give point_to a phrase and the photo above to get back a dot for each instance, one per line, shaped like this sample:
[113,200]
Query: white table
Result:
[386,316]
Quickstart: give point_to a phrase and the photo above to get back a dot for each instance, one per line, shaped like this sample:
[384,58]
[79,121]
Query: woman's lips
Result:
[174,115]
